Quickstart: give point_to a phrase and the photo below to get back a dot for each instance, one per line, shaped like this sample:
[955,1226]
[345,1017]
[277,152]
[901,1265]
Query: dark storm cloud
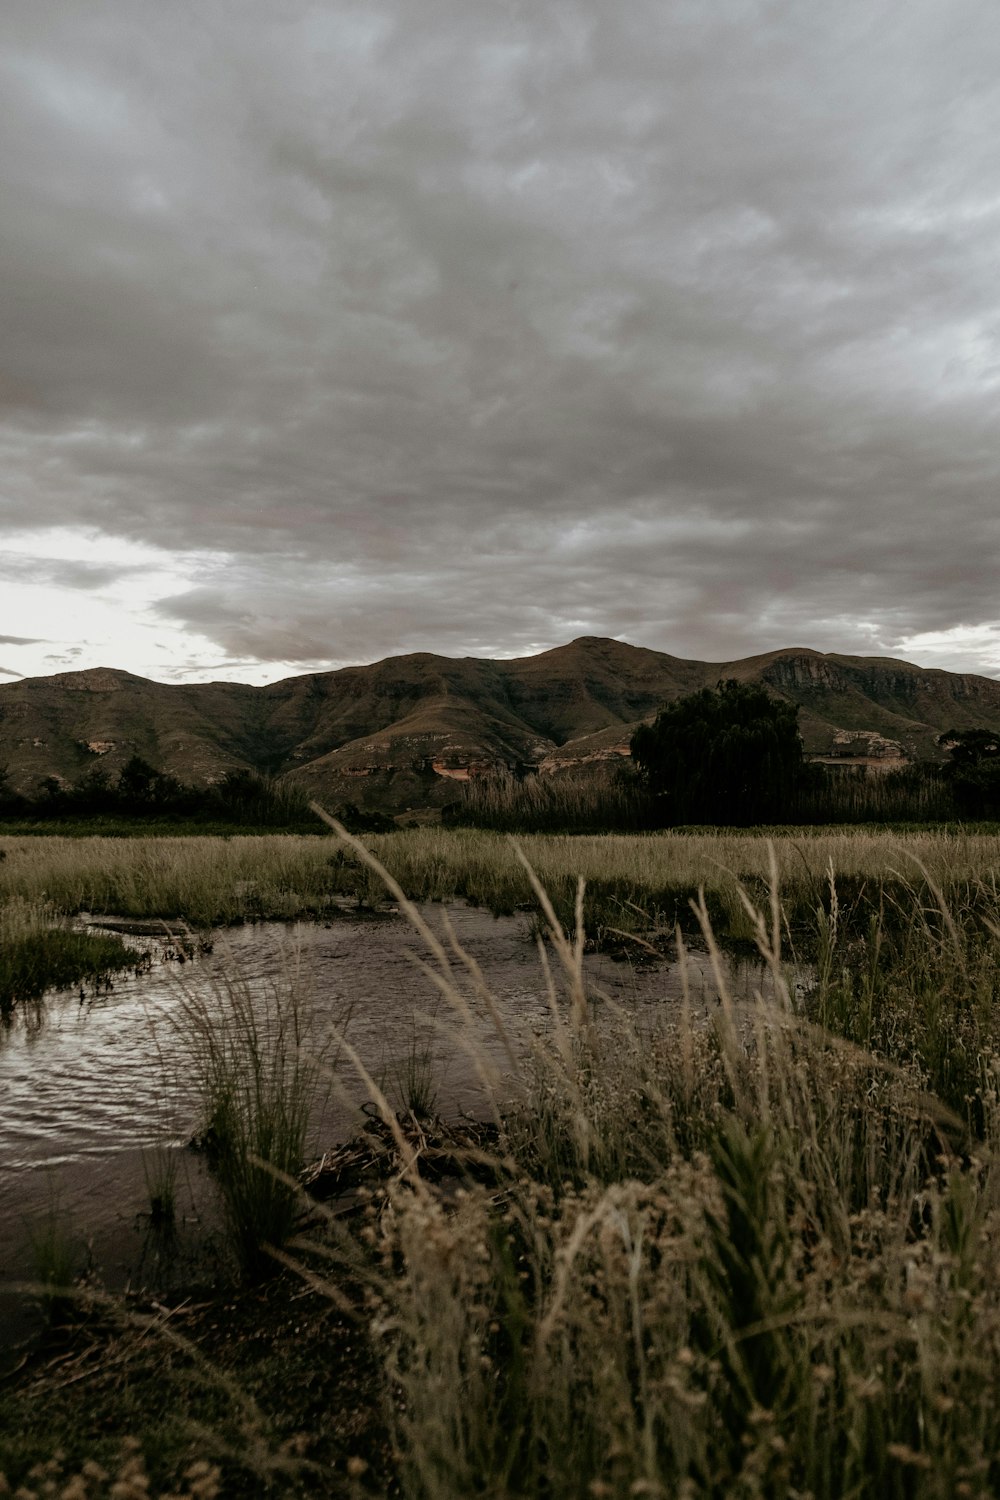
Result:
[475,328]
[62,572]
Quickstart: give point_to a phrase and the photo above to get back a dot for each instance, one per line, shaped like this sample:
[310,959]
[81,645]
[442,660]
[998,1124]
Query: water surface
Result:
[95,1090]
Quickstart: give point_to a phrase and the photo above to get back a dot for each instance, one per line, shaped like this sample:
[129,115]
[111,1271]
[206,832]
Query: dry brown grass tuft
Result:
[749,1259]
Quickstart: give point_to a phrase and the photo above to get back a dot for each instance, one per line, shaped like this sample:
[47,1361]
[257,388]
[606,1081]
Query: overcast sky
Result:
[331,331]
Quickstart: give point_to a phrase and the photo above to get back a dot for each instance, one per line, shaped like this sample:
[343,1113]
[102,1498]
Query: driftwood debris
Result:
[438,1148]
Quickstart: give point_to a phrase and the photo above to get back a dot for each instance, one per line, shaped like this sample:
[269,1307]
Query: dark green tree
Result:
[245,796]
[141,787]
[974,771]
[52,792]
[9,799]
[93,794]
[728,755]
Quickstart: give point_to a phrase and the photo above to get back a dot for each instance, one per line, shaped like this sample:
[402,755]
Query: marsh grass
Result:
[645,883]
[203,881]
[749,1257]
[918,982]
[411,1080]
[745,1254]
[56,1257]
[160,1170]
[633,883]
[258,1062]
[38,952]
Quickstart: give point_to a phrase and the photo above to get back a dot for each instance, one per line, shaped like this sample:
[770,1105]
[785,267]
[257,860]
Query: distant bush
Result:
[360,820]
[593,801]
[610,799]
[12,804]
[919,793]
[243,797]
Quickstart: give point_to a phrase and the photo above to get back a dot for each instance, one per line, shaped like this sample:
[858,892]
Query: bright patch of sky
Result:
[70,599]
[963,648]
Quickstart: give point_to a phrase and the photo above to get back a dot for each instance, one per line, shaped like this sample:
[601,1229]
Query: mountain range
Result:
[400,733]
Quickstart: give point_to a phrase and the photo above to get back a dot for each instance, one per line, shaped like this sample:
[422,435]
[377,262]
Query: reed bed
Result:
[633,881]
[572,802]
[749,1259]
[607,797]
[256,1059]
[39,951]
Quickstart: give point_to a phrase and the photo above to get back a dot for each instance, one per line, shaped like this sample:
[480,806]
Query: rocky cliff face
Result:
[800,671]
[404,732]
[902,703]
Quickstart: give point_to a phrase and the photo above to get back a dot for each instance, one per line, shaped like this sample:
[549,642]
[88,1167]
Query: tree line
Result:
[245,798]
[733,756]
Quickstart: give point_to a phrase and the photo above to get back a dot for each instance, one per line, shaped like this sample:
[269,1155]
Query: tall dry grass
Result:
[752,1255]
[746,1258]
[205,881]
[632,881]
[257,1060]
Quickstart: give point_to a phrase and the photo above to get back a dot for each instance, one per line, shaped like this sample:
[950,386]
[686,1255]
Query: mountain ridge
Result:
[398,733]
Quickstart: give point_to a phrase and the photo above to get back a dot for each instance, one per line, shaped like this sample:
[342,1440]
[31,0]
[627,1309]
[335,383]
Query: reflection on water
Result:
[88,1085]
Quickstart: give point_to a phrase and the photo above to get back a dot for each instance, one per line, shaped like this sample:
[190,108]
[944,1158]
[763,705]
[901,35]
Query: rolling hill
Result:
[398,734]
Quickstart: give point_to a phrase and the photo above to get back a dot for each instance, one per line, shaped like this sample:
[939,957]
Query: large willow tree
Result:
[728,755]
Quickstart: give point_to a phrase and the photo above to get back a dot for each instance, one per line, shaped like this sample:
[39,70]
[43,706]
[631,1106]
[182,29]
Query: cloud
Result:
[68,573]
[18,640]
[473,329]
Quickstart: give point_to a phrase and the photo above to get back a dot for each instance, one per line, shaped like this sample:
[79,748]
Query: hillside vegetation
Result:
[407,732]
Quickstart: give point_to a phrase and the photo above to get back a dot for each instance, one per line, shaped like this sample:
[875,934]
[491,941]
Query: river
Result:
[97,1091]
